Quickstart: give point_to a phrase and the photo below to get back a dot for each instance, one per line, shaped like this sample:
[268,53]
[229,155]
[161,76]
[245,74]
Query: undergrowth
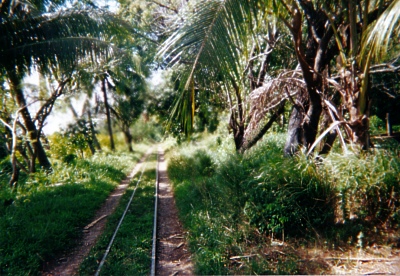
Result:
[237,207]
[43,215]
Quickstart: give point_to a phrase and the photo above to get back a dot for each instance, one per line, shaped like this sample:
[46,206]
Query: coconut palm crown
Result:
[212,45]
[43,34]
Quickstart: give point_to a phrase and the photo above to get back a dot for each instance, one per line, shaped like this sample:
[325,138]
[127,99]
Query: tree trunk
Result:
[313,60]
[295,132]
[13,148]
[356,103]
[248,143]
[359,125]
[110,132]
[15,170]
[128,138]
[238,132]
[359,121]
[330,137]
[4,146]
[93,130]
[311,120]
[33,134]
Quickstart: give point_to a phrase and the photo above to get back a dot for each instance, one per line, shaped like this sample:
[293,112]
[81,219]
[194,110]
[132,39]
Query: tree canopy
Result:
[320,63]
[334,43]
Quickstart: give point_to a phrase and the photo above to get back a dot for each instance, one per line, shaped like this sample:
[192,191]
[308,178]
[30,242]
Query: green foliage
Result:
[207,118]
[54,38]
[295,200]
[231,203]
[377,126]
[368,185]
[201,165]
[131,251]
[67,145]
[147,130]
[48,208]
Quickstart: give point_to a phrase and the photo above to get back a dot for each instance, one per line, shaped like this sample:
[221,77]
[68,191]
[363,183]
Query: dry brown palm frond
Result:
[267,97]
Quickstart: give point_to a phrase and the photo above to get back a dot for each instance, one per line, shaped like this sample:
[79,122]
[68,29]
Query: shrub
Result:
[334,197]
[367,185]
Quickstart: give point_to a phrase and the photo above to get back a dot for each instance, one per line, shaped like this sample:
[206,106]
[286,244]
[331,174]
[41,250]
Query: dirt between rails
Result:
[174,257]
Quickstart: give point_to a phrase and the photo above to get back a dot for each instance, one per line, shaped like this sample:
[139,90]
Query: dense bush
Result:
[223,195]
[367,185]
[295,200]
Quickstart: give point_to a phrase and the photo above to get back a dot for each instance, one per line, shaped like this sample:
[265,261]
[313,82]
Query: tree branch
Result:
[165,6]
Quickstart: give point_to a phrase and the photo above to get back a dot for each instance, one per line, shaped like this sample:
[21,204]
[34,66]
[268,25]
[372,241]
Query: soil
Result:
[371,260]
[173,256]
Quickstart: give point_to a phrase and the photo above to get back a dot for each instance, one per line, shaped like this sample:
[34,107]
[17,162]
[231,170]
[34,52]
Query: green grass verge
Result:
[44,219]
[130,253]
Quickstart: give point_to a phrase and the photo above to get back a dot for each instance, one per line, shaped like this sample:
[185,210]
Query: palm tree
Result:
[335,39]
[128,96]
[37,35]
[220,56]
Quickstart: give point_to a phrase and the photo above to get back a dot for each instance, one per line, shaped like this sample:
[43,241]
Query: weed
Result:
[49,209]
[233,204]
[131,250]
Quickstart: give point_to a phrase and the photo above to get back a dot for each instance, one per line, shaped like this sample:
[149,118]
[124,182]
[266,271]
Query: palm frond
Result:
[378,36]
[61,38]
[212,41]
[375,43]
[269,96]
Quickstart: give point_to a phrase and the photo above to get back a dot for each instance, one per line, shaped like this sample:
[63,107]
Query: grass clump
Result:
[367,189]
[43,215]
[130,253]
[237,208]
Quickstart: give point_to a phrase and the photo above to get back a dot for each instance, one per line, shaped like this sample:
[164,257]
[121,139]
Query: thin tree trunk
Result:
[238,132]
[34,136]
[248,143]
[236,121]
[15,171]
[93,131]
[295,132]
[110,132]
[128,138]
[330,137]
[389,129]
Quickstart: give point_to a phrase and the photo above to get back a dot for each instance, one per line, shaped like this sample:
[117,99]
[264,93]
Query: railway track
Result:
[169,255]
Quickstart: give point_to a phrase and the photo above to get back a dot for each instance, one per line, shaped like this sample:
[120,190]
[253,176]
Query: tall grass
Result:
[235,204]
[43,216]
[367,185]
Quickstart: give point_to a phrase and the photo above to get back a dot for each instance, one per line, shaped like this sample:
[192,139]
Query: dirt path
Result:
[69,263]
[173,256]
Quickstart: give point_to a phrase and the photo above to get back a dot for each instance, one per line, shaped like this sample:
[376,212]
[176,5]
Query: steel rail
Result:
[154,247]
[118,226]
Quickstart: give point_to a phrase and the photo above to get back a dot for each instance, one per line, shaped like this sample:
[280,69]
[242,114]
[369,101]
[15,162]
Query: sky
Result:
[112,5]
[60,119]
[57,119]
